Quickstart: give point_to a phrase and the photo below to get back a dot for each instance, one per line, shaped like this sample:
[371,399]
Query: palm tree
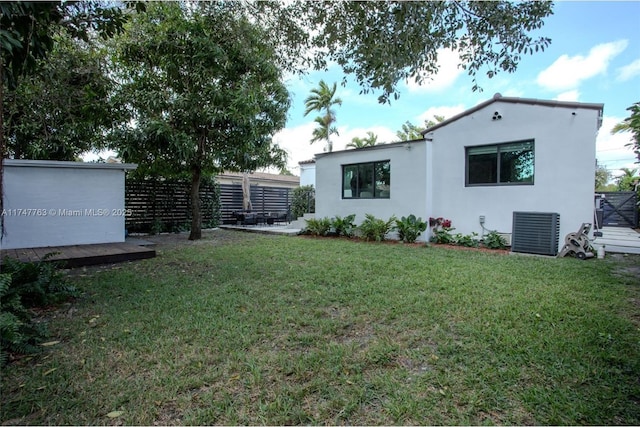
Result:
[323,132]
[322,100]
[369,141]
[631,124]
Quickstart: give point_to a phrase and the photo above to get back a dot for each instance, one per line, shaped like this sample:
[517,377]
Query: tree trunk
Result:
[196,215]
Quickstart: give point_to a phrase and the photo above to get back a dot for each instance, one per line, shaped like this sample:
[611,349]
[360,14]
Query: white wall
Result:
[308,174]
[50,203]
[564,167]
[408,181]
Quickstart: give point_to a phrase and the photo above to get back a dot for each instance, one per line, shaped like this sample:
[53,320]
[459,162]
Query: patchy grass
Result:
[281,330]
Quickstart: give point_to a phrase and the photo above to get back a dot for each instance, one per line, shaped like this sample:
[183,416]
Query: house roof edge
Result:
[374,147]
[515,100]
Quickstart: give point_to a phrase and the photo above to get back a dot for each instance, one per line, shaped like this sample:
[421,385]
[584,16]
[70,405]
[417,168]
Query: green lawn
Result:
[252,329]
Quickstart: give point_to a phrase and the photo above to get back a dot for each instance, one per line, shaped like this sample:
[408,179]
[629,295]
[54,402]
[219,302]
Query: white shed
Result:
[52,203]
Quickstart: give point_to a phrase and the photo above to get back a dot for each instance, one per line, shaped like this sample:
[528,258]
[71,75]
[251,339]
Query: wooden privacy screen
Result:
[164,204]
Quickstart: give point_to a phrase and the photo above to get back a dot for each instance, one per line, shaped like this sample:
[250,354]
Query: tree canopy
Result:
[629,180]
[382,43]
[62,109]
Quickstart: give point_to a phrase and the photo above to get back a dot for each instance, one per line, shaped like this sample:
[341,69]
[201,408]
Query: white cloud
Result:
[629,71]
[448,72]
[514,93]
[610,149]
[446,111]
[571,95]
[567,72]
[295,141]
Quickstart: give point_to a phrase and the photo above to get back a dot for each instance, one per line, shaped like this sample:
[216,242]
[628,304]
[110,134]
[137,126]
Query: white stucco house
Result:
[502,156]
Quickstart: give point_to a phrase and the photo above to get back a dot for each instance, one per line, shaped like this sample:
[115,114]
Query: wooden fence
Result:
[263,199]
[164,205]
[156,205]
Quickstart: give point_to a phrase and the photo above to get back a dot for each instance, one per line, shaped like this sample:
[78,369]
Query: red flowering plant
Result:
[439,223]
[441,230]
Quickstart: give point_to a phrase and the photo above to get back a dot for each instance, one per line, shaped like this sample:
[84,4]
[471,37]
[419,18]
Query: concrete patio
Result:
[619,240]
[264,229]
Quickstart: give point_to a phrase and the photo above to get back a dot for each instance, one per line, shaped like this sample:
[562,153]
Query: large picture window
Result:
[366,180]
[500,164]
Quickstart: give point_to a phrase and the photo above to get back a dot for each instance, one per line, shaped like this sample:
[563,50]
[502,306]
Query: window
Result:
[366,180]
[500,164]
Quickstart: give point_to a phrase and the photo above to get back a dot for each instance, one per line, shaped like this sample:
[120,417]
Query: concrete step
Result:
[301,222]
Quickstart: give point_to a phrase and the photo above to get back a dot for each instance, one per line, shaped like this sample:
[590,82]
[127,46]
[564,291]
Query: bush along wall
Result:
[304,201]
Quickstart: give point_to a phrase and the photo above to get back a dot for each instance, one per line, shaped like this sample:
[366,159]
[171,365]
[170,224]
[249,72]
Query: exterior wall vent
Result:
[536,233]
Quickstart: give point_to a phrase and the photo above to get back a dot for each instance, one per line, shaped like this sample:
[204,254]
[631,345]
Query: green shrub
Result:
[318,226]
[493,240]
[303,201]
[373,228]
[410,228]
[24,285]
[344,226]
[157,227]
[443,235]
[37,283]
[468,240]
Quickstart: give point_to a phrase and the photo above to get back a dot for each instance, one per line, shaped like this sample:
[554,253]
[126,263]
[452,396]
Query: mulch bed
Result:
[417,244]
[465,248]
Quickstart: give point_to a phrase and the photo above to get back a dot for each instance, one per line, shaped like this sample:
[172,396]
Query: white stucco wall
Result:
[408,181]
[307,174]
[564,167]
[50,203]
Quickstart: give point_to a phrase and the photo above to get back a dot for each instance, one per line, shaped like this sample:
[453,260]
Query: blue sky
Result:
[594,56]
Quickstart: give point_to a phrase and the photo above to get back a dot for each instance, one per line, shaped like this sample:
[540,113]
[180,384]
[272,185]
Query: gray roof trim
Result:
[375,147]
[68,165]
[530,101]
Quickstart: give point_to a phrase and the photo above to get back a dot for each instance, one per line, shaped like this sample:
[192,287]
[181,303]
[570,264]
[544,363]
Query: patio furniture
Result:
[281,216]
[246,217]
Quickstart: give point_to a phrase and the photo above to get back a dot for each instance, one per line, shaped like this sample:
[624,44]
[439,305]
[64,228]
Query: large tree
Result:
[322,99]
[204,94]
